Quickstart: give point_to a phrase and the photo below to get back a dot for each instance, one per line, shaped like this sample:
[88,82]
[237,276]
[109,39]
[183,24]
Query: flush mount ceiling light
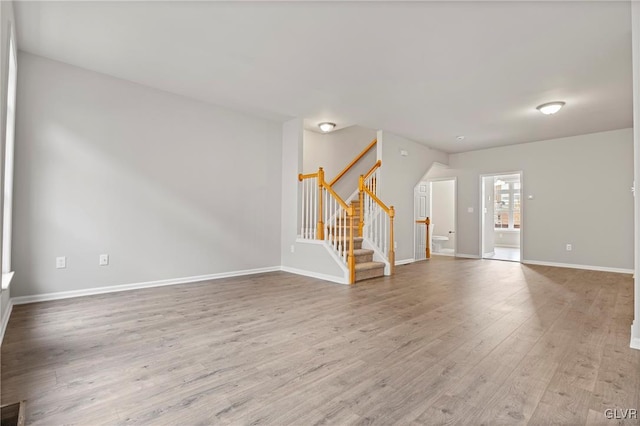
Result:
[460,138]
[326,126]
[550,107]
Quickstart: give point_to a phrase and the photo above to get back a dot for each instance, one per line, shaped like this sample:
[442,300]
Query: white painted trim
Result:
[116,288]
[404,261]
[522,209]
[5,319]
[506,246]
[306,241]
[574,266]
[433,253]
[635,336]
[493,253]
[468,256]
[318,275]
[6,280]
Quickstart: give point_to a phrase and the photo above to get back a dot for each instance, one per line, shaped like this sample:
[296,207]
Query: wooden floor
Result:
[443,341]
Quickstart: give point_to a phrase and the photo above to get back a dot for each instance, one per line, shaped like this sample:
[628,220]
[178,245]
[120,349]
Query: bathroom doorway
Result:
[436,199]
[501,218]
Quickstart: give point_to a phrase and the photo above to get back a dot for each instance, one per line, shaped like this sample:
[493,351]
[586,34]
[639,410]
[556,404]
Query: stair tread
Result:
[369,265]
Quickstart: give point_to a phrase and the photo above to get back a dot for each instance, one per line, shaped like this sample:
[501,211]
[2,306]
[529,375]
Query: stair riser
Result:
[364,258]
[370,273]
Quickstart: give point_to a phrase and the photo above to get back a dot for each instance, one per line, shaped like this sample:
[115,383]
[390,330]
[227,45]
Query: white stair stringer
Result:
[333,253]
[378,255]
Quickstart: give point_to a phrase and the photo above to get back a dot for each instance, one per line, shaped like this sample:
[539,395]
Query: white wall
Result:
[443,214]
[7,21]
[635,38]
[581,188]
[398,178]
[504,238]
[167,186]
[334,151]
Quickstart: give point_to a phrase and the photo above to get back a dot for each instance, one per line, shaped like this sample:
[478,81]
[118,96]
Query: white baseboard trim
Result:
[468,256]
[491,253]
[404,261]
[311,274]
[635,335]
[443,254]
[5,319]
[116,288]
[574,266]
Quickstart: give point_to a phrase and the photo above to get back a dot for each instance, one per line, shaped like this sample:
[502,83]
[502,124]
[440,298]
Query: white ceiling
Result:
[428,71]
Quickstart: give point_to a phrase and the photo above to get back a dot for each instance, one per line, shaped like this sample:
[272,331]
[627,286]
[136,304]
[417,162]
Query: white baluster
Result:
[302,211]
[314,209]
[333,230]
[326,213]
[309,234]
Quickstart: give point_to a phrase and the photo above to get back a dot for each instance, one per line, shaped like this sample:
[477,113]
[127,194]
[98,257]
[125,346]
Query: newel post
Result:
[320,226]
[427,222]
[392,249]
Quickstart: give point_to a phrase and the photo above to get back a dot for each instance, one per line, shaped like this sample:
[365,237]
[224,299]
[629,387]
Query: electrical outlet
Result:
[293,248]
[395,245]
[103,260]
[61,262]
[470,209]
[569,247]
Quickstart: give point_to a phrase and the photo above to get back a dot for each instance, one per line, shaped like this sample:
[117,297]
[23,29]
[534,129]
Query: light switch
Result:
[470,209]
[530,197]
[104,260]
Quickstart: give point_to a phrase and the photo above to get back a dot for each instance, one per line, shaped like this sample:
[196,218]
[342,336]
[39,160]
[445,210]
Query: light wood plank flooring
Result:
[443,341]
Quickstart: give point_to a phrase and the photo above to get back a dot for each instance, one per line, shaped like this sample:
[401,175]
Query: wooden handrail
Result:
[340,201]
[373,169]
[355,160]
[382,205]
[307,176]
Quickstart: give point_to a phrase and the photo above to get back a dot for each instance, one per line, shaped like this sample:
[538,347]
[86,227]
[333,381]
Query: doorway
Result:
[501,227]
[436,199]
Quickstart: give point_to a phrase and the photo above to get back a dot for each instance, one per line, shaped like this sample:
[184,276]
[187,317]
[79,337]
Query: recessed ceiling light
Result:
[326,126]
[460,138]
[550,107]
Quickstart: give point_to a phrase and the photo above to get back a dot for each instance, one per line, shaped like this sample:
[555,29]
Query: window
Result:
[507,208]
[8,162]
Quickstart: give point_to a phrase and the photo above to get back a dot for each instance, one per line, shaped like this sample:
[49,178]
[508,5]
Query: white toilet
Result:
[436,240]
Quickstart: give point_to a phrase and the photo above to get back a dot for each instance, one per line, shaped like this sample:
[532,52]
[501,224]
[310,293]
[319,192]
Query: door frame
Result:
[481,209]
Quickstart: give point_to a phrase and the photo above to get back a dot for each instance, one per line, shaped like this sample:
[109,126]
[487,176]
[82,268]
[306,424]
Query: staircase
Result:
[365,267]
[344,227]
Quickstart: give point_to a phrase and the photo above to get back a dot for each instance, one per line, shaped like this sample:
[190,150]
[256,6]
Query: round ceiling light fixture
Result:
[327,126]
[460,138]
[550,107]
